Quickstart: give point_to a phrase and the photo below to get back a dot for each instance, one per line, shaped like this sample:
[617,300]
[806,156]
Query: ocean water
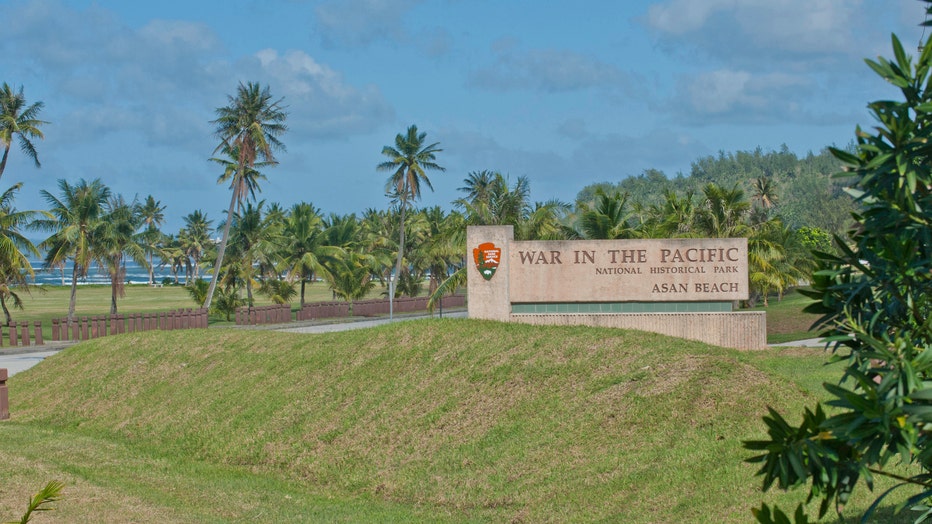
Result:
[135,274]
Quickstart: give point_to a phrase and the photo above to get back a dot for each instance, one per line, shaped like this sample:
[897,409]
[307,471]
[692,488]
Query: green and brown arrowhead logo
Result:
[487,257]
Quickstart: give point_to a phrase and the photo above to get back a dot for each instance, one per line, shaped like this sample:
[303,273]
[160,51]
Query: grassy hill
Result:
[440,419]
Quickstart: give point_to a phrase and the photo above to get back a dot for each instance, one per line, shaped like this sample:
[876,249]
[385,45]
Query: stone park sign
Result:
[616,283]
[629,270]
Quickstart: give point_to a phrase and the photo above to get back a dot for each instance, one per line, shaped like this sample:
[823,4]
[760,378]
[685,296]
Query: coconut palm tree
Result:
[77,215]
[478,185]
[249,129]
[15,269]
[151,215]
[674,217]
[350,278]
[608,219]
[114,240]
[765,192]
[256,241]
[305,252]
[723,212]
[16,118]
[408,162]
[194,239]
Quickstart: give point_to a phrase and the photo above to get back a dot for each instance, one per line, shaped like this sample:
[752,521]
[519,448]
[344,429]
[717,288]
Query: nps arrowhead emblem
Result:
[487,258]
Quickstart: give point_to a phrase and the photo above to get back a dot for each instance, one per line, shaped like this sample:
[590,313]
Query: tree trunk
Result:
[249,299]
[401,250]
[113,295]
[6,312]
[74,292]
[6,153]
[303,281]
[220,251]
[151,271]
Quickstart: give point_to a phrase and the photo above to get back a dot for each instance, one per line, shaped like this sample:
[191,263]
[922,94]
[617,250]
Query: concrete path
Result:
[14,363]
[809,343]
[361,324]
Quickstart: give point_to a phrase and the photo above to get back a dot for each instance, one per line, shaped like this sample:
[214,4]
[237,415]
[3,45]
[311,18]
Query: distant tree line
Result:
[784,205]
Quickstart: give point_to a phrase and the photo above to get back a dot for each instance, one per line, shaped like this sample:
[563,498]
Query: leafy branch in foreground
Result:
[875,298]
[50,493]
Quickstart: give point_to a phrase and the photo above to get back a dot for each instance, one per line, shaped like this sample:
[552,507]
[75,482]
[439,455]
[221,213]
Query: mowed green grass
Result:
[46,302]
[43,303]
[442,420]
[786,321]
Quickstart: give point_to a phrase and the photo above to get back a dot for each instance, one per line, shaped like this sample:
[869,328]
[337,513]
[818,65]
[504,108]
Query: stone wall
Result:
[739,330]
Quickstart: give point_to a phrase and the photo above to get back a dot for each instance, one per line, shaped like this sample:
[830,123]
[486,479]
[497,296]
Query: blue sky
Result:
[565,93]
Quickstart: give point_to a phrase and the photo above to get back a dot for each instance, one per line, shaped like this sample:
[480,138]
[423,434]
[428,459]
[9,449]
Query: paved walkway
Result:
[810,343]
[23,361]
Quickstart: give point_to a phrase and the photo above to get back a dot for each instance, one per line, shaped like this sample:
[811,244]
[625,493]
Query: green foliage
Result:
[279,291]
[226,300]
[875,298]
[815,239]
[777,516]
[47,495]
[19,120]
[798,190]
[197,289]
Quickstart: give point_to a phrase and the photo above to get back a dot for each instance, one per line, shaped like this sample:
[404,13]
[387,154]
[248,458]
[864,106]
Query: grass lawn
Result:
[44,303]
[446,420]
[786,321]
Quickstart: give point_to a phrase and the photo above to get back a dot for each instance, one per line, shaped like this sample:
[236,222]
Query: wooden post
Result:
[13,336]
[24,332]
[56,329]
[4,396]
[83,328]
[38,326]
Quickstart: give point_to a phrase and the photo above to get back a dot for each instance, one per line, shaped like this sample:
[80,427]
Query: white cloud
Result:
[738,96]
[754,34]
[320,102]
[362,22]
[548,70]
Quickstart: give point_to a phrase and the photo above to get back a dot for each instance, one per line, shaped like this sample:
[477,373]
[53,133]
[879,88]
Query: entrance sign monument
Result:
[678,287]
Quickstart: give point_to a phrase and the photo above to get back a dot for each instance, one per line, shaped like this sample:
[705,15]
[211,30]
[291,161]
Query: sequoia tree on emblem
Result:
[487,258]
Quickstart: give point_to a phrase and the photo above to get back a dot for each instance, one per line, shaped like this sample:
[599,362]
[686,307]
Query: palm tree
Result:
[478,185]
[114,240]
[18,119]
[15,269]
[151,214]
[305,250]
[765,192]
[256,241]
[172,254]
[350,278]
[248,129]
[674,217]
[379,238]
[194,239]
[408,161]
[76,217]
[609,219]
[723,212]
